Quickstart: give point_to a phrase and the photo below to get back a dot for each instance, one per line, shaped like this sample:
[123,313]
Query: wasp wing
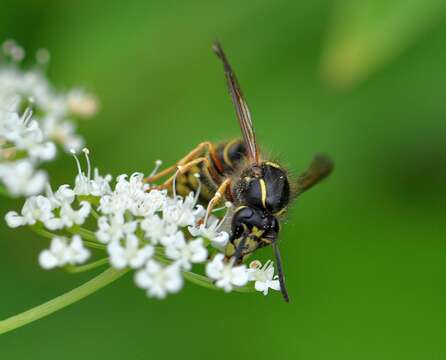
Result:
[319,169]
[241,108]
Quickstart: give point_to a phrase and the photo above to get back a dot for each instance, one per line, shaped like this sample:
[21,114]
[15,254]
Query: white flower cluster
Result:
[140,228]
[33,119]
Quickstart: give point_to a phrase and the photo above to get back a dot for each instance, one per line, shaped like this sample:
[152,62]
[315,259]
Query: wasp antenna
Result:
[280,271]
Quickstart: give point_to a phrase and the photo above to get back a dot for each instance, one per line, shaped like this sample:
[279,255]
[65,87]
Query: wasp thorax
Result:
[264,186]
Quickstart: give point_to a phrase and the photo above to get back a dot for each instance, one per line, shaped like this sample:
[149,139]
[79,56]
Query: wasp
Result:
[260,190]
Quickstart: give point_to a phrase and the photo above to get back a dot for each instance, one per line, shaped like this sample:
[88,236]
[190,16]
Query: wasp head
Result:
[264,187]
[252,228]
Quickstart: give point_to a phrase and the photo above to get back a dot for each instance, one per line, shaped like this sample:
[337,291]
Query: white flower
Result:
[45,151]
[36,208]
[62,252]
[226,275]
[112,204]
[84,184]
[156,229]
[128,195]
[62,132]
[167,240]
[219,239]
[25,133]
[130,254]
[150,203]
[113,228]
[132,192]
[69,216]
[63,195]
[13,219]
[100,185]
[20,178]
[186,253]
[183,212]
[52,106]
[263,276]
[159,280]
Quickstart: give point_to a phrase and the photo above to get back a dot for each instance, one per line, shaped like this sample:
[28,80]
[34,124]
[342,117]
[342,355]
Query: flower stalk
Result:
[62,301]
[90,266]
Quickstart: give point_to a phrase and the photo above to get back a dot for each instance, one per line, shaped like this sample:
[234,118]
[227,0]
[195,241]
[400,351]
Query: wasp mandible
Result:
[259,189]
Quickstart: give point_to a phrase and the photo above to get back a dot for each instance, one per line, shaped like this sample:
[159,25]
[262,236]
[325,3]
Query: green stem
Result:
[199,280]
[84,233]
[48,234]
[70,297]
[95,214]
[93,245]
[41,231]
[87,267]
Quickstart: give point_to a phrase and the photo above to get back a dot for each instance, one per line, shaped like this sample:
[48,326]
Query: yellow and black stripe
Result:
[224,160]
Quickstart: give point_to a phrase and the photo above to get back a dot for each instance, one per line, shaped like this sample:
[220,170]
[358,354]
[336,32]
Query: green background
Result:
[364,253]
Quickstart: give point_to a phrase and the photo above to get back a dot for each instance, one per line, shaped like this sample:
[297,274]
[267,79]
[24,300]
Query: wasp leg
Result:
[180,170]
[194,154]
[222,191]
[161,174]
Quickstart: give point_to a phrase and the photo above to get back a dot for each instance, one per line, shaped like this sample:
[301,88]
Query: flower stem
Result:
[45,233]
[39,230]
[90,266]
[84,233]
[93,245]
[95,213]
[199,280]
[70,297]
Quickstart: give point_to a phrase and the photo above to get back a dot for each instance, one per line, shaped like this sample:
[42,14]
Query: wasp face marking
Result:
[258,227]
[263,192]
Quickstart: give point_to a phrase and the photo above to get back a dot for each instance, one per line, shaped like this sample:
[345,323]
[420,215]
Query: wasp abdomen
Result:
[222,162]
[231,154]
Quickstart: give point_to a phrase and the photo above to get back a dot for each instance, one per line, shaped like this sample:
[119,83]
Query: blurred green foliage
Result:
[366,34]
[364,253]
